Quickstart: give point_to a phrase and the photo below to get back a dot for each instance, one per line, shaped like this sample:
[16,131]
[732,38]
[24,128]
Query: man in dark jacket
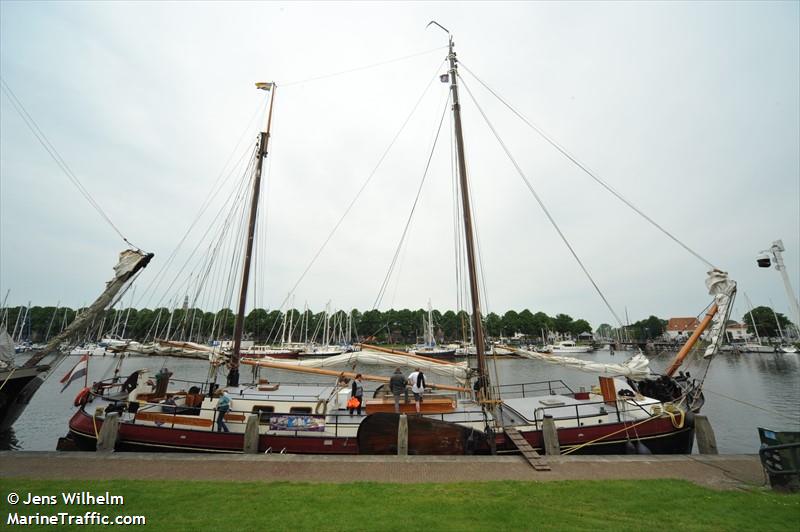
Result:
[397,383]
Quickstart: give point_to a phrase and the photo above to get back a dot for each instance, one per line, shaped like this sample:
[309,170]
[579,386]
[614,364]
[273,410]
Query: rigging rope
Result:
[363,186]
[213,193]
[541,204]
[56,156]
[586,170]
[385,283]
[365,67]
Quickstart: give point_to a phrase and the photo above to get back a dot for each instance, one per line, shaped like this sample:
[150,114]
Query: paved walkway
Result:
[715,471]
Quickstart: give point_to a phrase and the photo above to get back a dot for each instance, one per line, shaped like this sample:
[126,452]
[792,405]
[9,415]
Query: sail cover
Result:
[723,290]
[636,367]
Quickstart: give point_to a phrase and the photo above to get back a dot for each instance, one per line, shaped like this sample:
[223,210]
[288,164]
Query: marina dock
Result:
[724,472]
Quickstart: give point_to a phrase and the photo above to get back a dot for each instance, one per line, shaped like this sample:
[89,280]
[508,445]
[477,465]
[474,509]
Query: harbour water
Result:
[742,392]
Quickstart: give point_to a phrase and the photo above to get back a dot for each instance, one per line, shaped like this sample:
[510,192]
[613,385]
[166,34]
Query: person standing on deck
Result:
[357,393]
[397,383]
[223,405]
[417,381]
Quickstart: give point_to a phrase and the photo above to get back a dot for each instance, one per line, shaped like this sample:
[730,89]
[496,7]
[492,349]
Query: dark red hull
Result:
[377,434]
[133,437]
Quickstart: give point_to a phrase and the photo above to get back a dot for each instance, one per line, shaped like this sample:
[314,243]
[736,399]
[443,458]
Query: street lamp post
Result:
[776,251]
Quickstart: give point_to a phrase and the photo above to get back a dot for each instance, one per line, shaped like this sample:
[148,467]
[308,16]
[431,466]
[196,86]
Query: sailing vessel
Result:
[429,348]
[14,381]
[630,409]
[19,383]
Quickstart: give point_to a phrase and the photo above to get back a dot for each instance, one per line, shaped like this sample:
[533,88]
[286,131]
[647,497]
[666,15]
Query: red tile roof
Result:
[682,324]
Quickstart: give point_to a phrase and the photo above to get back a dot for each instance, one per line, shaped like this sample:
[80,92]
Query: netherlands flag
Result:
[78,371]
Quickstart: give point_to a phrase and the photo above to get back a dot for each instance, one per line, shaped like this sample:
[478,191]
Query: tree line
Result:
[39,324]
[393,326]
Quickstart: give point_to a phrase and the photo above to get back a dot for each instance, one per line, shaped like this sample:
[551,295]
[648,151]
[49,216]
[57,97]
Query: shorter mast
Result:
[233,373]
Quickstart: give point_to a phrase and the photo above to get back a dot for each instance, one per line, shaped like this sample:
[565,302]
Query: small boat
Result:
[568,346]
[753,347]
[256,351]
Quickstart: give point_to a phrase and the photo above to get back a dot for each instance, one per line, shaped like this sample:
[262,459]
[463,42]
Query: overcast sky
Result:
[690,110]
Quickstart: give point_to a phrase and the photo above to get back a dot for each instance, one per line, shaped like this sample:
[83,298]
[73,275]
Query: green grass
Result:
[495,506]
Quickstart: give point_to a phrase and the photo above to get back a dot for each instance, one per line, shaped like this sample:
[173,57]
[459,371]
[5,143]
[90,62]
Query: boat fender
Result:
[642,448]
[630,448]
[83,397]
[321,407]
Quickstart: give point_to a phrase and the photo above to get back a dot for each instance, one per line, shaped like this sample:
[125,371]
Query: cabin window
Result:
[300,410]
[263,412]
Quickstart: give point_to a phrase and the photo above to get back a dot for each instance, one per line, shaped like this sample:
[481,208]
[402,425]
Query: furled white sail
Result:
[723,289]
[6,350]
[636,367]
[129,263]
[459,371]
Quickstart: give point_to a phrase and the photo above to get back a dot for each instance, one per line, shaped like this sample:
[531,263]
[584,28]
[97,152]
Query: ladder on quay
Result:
[534,459]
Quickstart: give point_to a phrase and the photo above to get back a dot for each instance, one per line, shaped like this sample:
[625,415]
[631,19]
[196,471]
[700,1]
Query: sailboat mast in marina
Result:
[469,235]
[238,327]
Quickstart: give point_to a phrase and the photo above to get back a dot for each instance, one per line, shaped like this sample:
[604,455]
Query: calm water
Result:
[743,392]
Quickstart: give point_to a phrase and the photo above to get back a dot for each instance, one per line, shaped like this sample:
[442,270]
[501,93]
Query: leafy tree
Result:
[562,323]
[255,324]
[494,325]
[449,324]
[510,323]
[527,323]
[542,322]
[605,330]
[580,326]
[764,320]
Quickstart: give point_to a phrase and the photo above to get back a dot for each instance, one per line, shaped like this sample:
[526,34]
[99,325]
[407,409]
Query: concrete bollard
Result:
[251,434]
[402,436]
[107,438]
[704,434]
[550,436]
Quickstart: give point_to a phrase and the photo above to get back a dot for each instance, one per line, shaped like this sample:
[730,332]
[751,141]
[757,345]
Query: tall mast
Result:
[233,373]
[477,327]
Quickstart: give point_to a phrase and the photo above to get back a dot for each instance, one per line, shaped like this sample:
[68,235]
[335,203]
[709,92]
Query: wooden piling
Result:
[402,435]
[550,437]
[107,438]
[251,434]
[704,434]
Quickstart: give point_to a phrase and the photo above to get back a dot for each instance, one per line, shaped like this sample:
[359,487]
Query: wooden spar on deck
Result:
[233,373]
[692,340]
[333,373]
[404,353]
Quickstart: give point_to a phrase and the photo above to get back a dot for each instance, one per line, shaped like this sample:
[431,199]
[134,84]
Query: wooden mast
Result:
[477,322]
[233,373]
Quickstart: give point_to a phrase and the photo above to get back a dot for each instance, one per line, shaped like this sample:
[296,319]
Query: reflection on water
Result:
[743,391]
[8,441]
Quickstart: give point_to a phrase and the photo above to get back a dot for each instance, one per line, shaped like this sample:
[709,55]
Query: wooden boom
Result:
[692,340]
[404,353]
